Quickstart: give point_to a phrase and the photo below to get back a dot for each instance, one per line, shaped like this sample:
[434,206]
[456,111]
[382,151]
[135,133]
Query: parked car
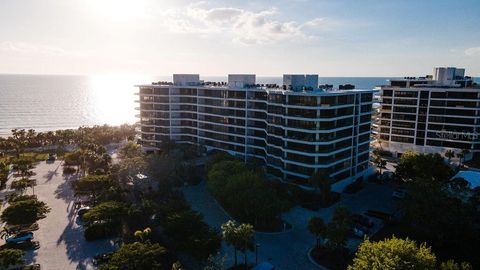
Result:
[28,245]
[82,211]
[399,193]
[102,258]
[362,220]
[52,156]
[358,232]
[386,217]
[21,237]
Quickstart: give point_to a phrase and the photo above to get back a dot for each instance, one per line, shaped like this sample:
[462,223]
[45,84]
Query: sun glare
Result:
[119,10]
[113,97]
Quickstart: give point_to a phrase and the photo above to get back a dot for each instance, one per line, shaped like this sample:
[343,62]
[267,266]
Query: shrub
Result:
[69,170]
[99,231]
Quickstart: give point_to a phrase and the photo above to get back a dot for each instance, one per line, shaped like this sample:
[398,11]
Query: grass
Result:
[35,156]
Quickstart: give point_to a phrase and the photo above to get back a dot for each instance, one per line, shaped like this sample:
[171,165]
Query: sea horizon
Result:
[51,102]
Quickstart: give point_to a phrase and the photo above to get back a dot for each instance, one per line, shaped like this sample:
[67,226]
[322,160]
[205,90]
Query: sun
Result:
[119,10]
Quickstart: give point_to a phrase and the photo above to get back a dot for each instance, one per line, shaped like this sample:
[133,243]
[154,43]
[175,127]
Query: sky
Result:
[269,38]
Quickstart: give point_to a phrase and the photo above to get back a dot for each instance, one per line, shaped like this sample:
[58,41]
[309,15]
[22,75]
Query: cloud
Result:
[243,26]
[474,51]
[28,48]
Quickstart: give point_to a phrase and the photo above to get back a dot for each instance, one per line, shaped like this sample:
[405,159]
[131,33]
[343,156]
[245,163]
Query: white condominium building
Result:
[294,129]
[431,114]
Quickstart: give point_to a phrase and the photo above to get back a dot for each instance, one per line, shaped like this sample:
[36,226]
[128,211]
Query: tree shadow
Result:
[79,250]
[49,176]
[29,256]
[64,190]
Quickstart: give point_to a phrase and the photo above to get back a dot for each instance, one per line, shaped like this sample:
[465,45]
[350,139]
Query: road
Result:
[62,245]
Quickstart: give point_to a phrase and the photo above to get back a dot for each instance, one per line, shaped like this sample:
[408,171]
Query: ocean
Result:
[50,102]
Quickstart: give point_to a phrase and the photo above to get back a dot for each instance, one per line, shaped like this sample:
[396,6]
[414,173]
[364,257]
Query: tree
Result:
[129,150]
[339,228]
[429,167]
[219,173]
[136,256]
[322,182]
[449,154]
[379,162]
[24,212]
[110,211]
[216,264]
[246,240]
[142,235]
[317,227]
[92,185]
[393,254]
[230,236]
[18,140]
[241,237]
[10,257]
[199,243]
[447,223]
[452,265]
[461,156]
[22,184]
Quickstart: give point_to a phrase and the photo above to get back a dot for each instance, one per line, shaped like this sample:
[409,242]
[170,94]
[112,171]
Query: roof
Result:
[472,177]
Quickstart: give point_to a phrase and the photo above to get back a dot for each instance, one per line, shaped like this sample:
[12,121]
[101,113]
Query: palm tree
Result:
[246,238]
[142,235]
[461,156]
[321,181]
[317,227]
[379,162]
[449,154]
[18,140]
[229,235]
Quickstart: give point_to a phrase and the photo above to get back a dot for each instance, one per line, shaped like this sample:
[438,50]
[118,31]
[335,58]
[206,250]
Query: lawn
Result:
[36,156]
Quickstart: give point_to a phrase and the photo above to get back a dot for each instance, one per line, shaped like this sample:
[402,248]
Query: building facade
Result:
[431,114]
[293,132]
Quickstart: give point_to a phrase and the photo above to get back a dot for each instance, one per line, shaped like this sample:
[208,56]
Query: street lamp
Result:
[256,253]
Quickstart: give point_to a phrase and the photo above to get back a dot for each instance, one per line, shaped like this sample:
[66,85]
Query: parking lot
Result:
[62,245]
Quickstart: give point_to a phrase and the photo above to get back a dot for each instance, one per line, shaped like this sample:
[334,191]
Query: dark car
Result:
[51,157]
[21,237]
[362,220]
[82,211]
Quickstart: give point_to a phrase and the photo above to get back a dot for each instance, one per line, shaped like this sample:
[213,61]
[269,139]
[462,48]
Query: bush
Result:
[69,170]
[311,200]
[98,231]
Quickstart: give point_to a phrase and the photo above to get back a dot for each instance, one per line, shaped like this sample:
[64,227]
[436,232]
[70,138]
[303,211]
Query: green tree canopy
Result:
[110,211]
[200,242]
[130,150]
[339,228]
[393,254]
[92,185]
[428,167]
[317,227]
[25,212]
[136,256]
[10,257]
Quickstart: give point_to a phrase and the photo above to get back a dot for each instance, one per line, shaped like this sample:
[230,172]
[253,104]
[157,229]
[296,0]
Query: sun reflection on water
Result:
[113,98]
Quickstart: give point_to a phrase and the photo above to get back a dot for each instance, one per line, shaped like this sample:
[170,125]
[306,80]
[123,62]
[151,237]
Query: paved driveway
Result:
[62,245]
[289,250]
